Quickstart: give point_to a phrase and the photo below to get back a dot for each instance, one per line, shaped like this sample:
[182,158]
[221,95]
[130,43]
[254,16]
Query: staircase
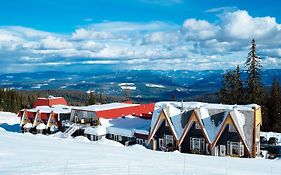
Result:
[70,130]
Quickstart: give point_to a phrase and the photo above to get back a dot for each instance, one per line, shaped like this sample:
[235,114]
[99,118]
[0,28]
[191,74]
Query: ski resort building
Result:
[50,101]
[116,121]
[209,129]
[124,130]
[44,119]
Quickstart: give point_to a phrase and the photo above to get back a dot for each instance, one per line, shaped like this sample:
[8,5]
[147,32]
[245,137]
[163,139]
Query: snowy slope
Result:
[47,155]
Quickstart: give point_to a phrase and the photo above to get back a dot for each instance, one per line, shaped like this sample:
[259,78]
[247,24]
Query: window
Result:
[139,141]
[234,148]
[203,144]
[169,140]
[241,150]
[144,143]
[195,145]
[197,126]
[222,150]
[166,123]
[207,148]
[160,143]
[119,138]
[232,128]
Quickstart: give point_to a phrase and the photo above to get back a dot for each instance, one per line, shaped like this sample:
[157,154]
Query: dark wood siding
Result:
[194,133]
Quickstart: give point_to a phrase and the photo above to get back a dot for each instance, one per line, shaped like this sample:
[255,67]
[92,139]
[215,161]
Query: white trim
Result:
[231,128]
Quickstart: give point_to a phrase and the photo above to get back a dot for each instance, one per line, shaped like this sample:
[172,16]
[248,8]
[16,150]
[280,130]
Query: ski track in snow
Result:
[46,155]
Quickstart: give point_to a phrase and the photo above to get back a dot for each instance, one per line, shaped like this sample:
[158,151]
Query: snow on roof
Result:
[211,115]
[155,115]
[49,97]
[175,116]
[211,121]
[126,126]
[194,104]
[98,130]
[55,108]
[105,106]
[239,120]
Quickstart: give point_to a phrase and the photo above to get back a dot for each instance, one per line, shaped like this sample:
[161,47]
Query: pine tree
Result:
[273,120]
[232,90]
[92,99]
[255,92]
[101,97]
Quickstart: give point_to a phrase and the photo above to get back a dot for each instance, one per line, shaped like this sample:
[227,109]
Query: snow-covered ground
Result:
[9,118]
[52,155]
[154,85]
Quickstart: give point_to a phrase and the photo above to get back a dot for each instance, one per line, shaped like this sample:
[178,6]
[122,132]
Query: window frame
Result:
[160,140]
[197,125]
[231,128]
[169,138]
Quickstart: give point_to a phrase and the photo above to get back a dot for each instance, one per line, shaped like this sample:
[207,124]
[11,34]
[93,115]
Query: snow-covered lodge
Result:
[210,129]
[126,123]
[47,116]
[190,127]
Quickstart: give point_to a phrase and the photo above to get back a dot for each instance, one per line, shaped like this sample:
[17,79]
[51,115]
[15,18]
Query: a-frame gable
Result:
[202,127]
[162,116]
[229,120]
[24,118]
[51,119]
[37,119]
[187,127]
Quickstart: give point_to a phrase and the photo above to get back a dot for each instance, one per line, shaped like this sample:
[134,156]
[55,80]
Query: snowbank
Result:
[9,118]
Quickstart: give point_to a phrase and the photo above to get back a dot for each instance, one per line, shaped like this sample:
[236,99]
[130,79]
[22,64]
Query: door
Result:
[160,143]
[222,150]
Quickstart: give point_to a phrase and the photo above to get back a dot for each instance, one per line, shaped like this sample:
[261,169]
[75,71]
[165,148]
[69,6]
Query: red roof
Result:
[50,101]
[142,110]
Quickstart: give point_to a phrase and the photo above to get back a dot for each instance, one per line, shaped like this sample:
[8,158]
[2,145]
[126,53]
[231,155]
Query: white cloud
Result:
[199,29]
[221,9]
[196,44]
[51,42]
[240,25]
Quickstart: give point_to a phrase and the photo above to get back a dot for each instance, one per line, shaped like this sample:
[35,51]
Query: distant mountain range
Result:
[148,84]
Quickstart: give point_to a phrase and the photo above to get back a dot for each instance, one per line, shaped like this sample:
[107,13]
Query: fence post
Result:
[65,167]
[184,159]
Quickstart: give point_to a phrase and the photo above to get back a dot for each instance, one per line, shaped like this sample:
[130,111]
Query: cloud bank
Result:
[195,45]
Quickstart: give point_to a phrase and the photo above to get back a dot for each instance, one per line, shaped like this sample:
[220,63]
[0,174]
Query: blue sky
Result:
[85,35]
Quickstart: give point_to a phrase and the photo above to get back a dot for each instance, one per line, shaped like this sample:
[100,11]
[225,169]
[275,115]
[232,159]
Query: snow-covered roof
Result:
[98,130]
[128,125]
[194,104]
[58,109]
[50,97]
[125,126]
[211,116]
[104,106]
[212,120]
